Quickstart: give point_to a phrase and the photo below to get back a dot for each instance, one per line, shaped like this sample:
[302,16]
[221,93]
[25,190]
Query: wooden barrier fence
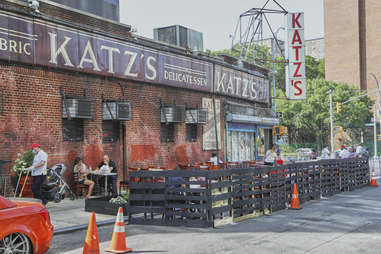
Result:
[199,198]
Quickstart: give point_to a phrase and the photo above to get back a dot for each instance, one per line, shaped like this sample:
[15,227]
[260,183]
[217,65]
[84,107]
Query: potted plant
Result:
[24,160]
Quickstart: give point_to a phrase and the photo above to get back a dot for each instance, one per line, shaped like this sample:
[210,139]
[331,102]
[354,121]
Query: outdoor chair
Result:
[79,188]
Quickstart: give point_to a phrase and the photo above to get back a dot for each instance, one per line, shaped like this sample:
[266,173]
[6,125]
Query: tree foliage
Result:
[309,120]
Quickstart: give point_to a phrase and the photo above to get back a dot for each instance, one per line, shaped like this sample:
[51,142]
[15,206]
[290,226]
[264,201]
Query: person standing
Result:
[113,169]
[38,170]
[360,150]
[325,153]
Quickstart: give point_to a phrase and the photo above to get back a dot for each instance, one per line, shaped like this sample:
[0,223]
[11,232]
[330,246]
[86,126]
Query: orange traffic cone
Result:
[373,181]
[92,241]
[295,204]
[118,242]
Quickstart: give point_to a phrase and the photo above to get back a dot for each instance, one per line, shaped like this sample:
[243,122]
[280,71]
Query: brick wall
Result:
[373,41]
[341,34]
[32,113]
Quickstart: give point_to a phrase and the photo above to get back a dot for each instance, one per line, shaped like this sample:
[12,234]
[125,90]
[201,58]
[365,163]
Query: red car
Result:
[25,227]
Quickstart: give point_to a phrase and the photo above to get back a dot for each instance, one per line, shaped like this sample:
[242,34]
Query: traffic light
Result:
[338,107]
[283,130]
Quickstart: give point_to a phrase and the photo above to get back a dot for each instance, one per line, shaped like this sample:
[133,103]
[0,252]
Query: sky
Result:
[216,19]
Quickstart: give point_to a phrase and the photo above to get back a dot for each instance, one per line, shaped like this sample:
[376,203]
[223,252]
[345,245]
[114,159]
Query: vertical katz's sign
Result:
[296,69]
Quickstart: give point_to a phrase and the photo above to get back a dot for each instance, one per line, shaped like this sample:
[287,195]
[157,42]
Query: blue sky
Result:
[216,19]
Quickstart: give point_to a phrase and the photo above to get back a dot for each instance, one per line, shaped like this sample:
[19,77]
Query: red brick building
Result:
[70,81]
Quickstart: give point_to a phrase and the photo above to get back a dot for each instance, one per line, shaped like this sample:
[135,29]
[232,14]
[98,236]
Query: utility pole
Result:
[379,106]
[331,118]
[375,130]
[273,60]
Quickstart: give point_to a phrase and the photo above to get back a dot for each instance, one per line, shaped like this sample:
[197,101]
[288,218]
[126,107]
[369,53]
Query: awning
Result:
[263,121]
[242,127]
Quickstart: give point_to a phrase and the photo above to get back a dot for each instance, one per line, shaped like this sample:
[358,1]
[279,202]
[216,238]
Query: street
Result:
[349,222]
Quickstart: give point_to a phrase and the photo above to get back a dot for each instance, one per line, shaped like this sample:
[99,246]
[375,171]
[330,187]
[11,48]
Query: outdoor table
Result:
[106,174]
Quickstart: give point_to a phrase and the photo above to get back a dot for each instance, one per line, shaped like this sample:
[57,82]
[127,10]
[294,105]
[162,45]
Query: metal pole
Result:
[379,108]
[374,130]
[273,59]
[216,131]
[331,120]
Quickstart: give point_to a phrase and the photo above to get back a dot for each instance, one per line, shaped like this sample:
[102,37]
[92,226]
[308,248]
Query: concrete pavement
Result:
[349,222]
[70,215]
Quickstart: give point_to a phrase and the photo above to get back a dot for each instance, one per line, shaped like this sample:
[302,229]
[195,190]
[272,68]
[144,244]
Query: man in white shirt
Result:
[38,169]
[214,159]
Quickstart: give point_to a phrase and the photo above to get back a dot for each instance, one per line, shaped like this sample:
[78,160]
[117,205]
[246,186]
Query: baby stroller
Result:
[54,187]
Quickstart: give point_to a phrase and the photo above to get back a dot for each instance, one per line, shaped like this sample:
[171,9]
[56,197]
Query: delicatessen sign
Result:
[44,43]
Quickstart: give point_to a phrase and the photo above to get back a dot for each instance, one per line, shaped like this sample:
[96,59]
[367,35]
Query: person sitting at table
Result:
[113,169]
[214,159]
[82,171]
[270,156]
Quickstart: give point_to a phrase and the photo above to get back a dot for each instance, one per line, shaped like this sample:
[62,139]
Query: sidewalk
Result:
[68,216]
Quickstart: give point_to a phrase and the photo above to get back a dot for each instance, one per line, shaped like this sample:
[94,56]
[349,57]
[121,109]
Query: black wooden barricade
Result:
[199,198]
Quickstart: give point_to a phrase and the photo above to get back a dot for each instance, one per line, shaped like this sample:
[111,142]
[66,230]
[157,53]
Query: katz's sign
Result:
[240,84]
[296,68]
[34,41]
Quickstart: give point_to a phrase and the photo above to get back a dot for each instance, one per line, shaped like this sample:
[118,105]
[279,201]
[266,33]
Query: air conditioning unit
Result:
[173,114]
[77,108]
[196,116]
[202,116]
[116,111]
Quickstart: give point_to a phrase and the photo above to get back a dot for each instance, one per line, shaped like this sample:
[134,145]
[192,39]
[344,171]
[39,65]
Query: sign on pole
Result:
[296,68]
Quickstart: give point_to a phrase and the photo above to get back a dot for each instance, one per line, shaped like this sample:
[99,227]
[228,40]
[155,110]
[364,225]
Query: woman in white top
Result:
[82,171]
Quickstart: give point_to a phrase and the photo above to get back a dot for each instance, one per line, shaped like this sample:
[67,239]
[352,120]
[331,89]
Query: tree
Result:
[309,119]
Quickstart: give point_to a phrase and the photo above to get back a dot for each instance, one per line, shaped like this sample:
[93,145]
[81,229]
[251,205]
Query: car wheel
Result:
[57,197]
[15,243]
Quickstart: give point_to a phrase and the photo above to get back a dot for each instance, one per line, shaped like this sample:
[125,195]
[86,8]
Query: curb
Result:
[71,229]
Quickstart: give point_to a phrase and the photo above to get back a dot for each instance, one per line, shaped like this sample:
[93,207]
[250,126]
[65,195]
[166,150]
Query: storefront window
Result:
[167,132]
[240,146]
[72,130]
[191,132]
[110,130]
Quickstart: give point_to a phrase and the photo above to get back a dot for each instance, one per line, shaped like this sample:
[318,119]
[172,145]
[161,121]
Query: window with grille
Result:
[110,131]
[191,132]
[72,130]
[167,132]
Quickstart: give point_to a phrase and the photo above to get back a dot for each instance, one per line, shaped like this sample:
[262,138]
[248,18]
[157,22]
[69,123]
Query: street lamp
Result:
[379,109]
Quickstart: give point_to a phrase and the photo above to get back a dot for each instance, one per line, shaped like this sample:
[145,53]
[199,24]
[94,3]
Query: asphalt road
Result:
[345,223]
